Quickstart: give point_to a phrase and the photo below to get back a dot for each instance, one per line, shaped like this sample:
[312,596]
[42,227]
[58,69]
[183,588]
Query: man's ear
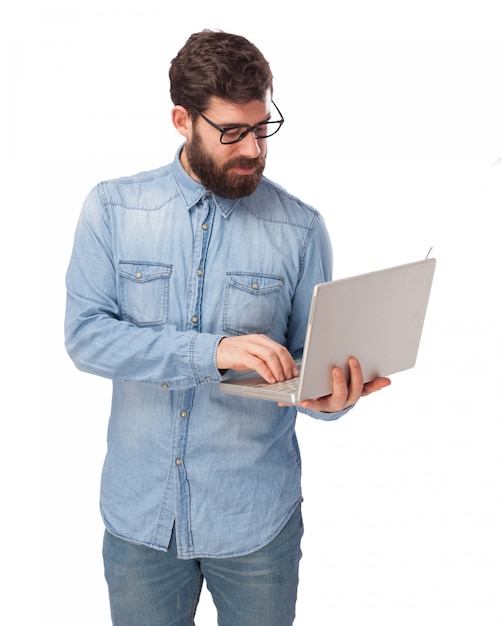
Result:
[181,120]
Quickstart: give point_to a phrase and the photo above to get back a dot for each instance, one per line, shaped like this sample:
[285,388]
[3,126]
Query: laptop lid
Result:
[377,317]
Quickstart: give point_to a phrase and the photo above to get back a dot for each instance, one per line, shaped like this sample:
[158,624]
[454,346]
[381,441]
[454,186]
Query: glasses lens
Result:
[234,134]
[266,129]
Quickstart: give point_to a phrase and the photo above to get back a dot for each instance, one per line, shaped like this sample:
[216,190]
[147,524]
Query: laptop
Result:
[377,317]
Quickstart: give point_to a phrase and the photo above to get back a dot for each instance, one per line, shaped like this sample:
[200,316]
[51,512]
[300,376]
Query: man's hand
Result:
[344,394]
[256,352]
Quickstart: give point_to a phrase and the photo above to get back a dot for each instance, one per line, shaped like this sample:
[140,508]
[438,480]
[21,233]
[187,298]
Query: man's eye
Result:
[233,133]
[262,130]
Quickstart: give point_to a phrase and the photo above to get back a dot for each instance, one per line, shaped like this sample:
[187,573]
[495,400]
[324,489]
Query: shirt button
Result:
[178,462]
[200,272]
[208,379]
[194,319]
[255,286]
[138,275]
[165,386]
[205,227]
[184,413]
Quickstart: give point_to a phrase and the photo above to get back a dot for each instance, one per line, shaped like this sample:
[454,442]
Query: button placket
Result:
[200,271]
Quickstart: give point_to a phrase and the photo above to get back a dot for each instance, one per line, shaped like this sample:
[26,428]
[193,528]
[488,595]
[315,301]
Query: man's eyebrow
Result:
[236,125]
[267,119]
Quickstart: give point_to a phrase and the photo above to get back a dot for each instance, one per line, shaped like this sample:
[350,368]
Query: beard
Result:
[221,180]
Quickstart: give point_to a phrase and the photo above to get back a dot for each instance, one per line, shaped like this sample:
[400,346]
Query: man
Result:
[176,276]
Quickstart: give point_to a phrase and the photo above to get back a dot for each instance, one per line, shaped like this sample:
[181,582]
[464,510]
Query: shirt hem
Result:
[185,556]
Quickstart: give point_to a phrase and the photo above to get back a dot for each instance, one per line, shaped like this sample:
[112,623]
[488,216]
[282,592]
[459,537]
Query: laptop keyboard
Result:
[286,385]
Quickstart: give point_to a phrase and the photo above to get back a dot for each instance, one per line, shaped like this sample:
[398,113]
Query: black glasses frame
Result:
[249,129]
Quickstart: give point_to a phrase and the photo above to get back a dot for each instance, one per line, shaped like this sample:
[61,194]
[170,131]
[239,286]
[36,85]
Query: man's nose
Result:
[249,146]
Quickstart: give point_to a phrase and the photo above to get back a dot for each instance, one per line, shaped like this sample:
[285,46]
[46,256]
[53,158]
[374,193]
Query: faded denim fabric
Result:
[155,588]
[161,270]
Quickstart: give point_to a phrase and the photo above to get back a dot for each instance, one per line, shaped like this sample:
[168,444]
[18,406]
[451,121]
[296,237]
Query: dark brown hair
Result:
[215,63]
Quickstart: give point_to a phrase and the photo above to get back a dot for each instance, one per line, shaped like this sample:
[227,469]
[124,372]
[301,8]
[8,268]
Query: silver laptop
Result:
[377,317]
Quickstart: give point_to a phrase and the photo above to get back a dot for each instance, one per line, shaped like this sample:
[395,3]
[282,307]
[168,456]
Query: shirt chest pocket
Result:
[251,302]
[144,292]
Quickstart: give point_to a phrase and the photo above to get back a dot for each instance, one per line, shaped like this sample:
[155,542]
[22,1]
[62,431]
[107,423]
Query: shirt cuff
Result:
[203,351]
[326,417]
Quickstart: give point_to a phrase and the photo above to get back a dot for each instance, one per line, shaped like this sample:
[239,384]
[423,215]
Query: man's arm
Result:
[97,338]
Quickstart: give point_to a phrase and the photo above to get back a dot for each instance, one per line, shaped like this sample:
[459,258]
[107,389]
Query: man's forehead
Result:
[234,111]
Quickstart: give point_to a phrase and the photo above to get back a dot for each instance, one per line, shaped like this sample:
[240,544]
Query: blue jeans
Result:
[149,587]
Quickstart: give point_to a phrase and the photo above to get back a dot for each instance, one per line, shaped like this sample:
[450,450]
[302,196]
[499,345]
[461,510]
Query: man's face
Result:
[229,170]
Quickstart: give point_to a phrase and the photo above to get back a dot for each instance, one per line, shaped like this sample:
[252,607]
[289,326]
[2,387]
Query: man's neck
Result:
[186,166]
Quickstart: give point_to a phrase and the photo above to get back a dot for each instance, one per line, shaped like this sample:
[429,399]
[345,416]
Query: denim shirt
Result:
[161,270]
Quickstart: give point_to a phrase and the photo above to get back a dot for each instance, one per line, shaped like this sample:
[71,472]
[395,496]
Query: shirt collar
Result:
[193,191]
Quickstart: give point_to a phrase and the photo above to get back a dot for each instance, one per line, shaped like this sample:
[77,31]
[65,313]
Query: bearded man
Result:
[178,275]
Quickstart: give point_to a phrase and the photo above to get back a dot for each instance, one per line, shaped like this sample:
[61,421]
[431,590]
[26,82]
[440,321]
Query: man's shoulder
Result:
[141,188]
[140,178]
[276,202]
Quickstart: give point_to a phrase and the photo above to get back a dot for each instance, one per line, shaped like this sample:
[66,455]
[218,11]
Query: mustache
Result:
[245,163]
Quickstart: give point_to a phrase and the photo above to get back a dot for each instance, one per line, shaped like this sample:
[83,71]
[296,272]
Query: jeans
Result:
[149,587]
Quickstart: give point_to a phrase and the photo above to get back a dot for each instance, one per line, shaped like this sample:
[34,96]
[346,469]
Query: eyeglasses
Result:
[237,132]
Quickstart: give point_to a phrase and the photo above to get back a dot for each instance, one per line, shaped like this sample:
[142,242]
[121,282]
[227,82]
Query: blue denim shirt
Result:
[161,270]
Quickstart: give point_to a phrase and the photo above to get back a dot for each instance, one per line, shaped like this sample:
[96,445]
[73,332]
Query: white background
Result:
[393,132]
